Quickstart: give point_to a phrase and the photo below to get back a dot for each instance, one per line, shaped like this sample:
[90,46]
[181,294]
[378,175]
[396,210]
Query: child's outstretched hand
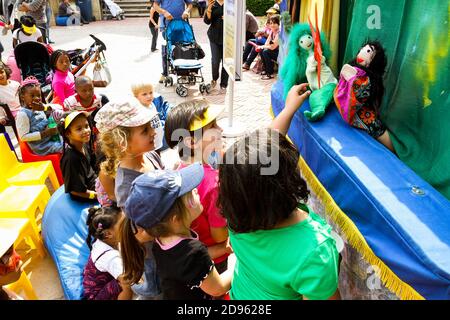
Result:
[297,95]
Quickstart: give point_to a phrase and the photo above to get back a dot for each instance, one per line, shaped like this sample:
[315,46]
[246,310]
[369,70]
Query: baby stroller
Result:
[81,59]
[33,59]
[182,57]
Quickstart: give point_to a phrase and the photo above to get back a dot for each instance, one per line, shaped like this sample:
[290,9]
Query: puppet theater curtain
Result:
[416,107]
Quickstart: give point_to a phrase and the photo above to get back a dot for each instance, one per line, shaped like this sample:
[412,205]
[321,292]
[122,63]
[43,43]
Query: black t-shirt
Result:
[78,172]
[182,269]
[155,17]
[215,31]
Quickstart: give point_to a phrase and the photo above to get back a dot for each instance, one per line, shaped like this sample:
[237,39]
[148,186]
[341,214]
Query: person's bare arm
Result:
[108,184]
[217,285]
[152,11]
[295,98]
[219,250]
[86,195]
[160,10]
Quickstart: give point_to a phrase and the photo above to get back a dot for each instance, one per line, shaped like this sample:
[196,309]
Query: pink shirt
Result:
[208,191]
[63,85]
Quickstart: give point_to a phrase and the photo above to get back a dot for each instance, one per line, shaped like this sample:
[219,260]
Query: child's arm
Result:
[108,184]
[89,194]
[3,117]
[23,129]
[220,249]
[217,284]
[126,293]
[295,98]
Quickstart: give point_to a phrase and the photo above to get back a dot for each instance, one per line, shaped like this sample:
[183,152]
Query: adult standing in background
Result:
[170,9]
[214,17]
[201,4]
[36,9]
[48,14]
[153,25]
[251,25]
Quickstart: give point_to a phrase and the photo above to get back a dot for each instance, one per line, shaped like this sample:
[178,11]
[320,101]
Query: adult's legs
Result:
[48,13]
[164,56]
[267,57]
[201,8]
[216,54]
[251,57]
[223,74]
[154,31]
[44,30]
[248,48]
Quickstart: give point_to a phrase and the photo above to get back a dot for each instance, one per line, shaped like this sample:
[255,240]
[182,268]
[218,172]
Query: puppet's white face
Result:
[365,56]
[306,42]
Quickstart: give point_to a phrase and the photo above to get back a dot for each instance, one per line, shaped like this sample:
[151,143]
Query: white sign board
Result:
[233,37]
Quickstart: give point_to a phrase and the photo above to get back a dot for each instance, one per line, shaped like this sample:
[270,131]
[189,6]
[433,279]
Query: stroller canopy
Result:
[179,31]
[33,60]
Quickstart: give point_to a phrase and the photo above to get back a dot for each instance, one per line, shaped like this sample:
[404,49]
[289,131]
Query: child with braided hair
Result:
[102,278]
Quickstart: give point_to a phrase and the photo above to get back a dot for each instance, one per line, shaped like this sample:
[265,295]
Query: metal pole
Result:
[230,99]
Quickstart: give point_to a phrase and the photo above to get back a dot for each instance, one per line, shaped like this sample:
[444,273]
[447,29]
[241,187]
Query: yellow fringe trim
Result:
[389,279]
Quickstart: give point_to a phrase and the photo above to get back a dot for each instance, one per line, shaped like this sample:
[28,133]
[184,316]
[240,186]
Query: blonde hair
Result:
[113,144]
[137,87]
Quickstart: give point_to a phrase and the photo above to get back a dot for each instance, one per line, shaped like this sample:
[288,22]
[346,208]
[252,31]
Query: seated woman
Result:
[259,39]
[27,31]
[270,49]
[67,15]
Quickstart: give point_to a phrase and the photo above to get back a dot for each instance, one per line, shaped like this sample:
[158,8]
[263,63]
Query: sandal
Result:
[267,77]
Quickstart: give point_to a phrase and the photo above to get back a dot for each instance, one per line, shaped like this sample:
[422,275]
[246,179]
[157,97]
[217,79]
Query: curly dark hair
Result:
[27,21]
[99,220]
[55,56]
[250,200]
[375,71]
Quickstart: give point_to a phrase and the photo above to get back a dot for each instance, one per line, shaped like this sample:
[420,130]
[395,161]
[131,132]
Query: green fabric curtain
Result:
[416,106]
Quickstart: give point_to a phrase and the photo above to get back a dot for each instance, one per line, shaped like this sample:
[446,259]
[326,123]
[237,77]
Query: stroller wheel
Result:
[168,81]
[202,88]
[182,91]
[208,88]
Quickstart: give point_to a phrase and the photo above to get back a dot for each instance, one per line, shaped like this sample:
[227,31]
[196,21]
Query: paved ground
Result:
[129,59]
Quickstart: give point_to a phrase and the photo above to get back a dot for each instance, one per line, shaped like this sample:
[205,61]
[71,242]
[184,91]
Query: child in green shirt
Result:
[283,250]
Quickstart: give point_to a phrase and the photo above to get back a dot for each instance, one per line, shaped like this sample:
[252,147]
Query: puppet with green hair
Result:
[300,65]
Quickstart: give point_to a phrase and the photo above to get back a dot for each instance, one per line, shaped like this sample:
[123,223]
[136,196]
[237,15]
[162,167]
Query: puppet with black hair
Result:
[300,65]
[360,91]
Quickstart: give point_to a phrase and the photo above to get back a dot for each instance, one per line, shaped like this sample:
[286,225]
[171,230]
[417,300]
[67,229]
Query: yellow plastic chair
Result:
[21,230]
[20,174]
[23,202]
[23,284]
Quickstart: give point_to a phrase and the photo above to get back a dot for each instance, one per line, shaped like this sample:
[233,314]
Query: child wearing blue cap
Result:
[191,127]
[162,206]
